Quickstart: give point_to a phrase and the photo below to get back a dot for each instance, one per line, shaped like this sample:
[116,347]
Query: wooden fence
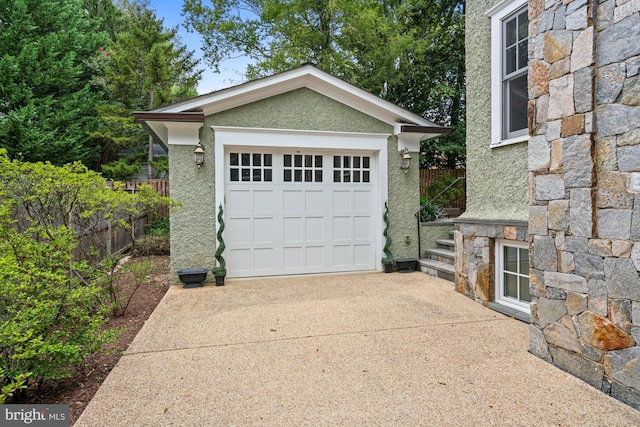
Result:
[161,186]
[111,240]
[119,240]
[428,176]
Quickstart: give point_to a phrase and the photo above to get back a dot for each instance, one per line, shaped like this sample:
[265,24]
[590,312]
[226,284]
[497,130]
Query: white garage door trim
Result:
[280,141]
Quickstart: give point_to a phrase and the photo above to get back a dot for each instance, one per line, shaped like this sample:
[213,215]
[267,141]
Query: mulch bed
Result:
[78,390]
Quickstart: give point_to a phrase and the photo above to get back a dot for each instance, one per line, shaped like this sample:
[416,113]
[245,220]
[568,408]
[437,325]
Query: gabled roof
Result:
[308,76]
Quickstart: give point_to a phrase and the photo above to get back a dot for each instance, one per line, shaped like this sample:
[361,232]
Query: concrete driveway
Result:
[361,349]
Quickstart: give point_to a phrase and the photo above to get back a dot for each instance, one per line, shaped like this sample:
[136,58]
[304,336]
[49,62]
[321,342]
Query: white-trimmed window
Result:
[509,69]
[512,274]
[351,169]
[253,167]
[302,168]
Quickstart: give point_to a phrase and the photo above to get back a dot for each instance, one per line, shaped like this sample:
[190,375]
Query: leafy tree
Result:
[109,15]
[120,170]
[56,293]
[47,104]
[145,67]
[410,52]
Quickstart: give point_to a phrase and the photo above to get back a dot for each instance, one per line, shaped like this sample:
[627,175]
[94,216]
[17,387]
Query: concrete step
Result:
[437,269]
[446,244]
[442,255]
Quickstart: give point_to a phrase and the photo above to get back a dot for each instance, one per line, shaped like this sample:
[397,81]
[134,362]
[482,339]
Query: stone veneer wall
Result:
[584,214]
[475,255]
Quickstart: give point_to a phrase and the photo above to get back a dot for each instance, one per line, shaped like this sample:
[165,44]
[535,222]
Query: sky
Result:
[231,70]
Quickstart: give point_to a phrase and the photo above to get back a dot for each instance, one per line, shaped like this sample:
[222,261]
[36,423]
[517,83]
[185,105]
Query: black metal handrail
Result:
[417,214]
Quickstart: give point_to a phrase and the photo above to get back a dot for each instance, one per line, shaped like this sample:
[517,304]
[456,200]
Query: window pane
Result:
[346,176]
[318,161]
[257,175]
[257,160]
[308,161]
[267,175]
[510,32]
[365,176]
[318,176]
[510,285]
[525,295]
[523,54]
[524,261]
[267,160]
[246,174]
[308,175]
[511,259]
[297,160]
[365,163]
[246,159]
[518,99]
[356,176]
[336,162]
[346,162]
[233,159]
[510,60]
[287,160]
[235,175]
[356,162]
[336,176]
[523,25]
[287,175]
[297,175]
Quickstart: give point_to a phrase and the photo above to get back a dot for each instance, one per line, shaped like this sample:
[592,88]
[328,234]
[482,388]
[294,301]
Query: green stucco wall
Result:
[300,109]
[496,177]
[193,225]
[432,231]
[404,202]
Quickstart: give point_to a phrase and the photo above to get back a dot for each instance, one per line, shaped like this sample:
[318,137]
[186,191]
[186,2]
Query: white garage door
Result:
[298,212]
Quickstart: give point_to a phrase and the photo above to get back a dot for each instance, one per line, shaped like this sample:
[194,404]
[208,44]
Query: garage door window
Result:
[251,167]
[302,168]
[351,169]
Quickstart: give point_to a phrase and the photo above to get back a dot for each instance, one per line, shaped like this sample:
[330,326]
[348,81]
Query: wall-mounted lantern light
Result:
[405,159]
[199,154]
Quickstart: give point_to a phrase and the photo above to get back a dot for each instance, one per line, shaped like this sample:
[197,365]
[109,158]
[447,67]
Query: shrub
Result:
[55,294]
[430,211]
[160,227]
[151,245]
[50,319]
[450,195]
[221,266]
[388,256]
[11,385]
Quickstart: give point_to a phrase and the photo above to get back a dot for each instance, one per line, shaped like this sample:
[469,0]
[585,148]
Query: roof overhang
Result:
[157,124]
[407,126]
[409,136]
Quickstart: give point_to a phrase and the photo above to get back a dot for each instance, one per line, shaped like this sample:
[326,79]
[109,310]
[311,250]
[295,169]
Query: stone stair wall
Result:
[439,261]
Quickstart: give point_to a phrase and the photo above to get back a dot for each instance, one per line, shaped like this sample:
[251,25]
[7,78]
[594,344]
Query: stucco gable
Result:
[302,109]
[410,128]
